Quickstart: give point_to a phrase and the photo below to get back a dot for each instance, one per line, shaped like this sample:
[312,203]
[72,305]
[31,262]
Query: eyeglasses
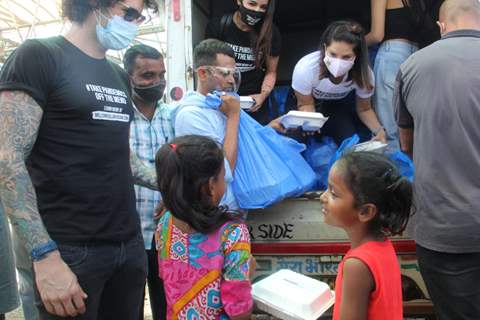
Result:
[224,71]
[132,14]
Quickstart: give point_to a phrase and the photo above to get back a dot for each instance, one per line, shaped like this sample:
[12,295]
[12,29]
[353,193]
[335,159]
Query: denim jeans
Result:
[452,281]
[8,282]
[112,275]
[390,56]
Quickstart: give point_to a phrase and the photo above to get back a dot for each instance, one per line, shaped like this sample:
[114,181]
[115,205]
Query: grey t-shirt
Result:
[438,95]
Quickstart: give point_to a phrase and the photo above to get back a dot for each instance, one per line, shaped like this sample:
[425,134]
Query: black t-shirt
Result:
[80,165]
[240,42]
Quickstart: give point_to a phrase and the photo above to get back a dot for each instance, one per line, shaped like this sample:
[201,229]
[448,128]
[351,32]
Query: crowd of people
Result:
[108,188]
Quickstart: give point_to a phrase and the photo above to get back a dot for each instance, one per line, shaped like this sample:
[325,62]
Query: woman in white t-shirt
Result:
[322,80]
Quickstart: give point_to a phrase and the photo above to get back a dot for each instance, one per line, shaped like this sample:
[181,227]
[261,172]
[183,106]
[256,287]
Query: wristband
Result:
[39,252]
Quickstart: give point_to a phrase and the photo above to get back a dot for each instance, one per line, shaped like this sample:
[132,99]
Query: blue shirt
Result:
[146,137]
[193,119]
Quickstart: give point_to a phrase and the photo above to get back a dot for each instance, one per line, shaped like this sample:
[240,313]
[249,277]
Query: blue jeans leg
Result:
[112,275]
[389,58]
[452,282]
[123,292]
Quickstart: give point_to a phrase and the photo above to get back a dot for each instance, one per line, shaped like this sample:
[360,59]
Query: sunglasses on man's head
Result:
[132,14]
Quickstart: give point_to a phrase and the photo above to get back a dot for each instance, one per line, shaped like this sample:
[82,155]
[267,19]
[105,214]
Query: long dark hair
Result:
[352,33]
[261,38]
[184,169]
[425,15]
[373,178]
[419,9]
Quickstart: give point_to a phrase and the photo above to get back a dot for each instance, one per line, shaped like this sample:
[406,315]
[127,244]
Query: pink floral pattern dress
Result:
[205,276]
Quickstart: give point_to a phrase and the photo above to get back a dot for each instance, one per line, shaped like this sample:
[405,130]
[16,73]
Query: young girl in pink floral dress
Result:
[203,250]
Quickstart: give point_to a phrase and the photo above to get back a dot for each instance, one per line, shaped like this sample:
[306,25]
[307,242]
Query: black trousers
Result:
[343,121]
[158,301]
[453,281]
[262,115]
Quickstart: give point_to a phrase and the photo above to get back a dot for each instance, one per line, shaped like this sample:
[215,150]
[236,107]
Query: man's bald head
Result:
[459,14]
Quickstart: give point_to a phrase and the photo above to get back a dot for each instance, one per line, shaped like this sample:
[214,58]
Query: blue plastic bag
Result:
[269,166]
[318,156]
[346,145]
[404,164]
[401,160]
[289,150]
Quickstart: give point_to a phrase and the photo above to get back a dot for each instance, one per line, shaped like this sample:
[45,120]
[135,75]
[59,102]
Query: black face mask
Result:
[152,93]
[251,17]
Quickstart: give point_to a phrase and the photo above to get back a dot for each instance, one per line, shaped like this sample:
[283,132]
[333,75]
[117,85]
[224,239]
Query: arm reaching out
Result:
[143,175]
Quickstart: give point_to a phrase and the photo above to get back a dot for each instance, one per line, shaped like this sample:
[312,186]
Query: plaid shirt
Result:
[146,137]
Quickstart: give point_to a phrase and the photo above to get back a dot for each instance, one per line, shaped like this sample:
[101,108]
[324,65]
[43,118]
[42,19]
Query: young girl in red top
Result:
[370,200]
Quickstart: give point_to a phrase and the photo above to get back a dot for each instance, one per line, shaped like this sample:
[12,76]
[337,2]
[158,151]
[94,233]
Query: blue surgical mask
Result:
[117,34]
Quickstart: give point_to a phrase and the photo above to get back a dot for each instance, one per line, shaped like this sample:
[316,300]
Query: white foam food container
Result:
[246,102]
[292,296]
[374,146]
[309,121]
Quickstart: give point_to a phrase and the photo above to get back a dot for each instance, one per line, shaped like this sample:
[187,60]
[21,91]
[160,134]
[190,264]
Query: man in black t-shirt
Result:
[66,172]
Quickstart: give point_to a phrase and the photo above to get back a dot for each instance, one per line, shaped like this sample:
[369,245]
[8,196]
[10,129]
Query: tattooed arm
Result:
[20,118]
[143,175]
[17,135]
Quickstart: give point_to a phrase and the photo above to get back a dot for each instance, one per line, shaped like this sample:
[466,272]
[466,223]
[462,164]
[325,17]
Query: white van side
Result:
[291,234]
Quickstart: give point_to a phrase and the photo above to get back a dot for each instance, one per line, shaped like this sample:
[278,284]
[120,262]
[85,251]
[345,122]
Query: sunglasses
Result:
[132,14]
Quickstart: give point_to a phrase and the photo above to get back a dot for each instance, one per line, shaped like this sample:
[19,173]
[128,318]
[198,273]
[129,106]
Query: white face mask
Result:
[338,67]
